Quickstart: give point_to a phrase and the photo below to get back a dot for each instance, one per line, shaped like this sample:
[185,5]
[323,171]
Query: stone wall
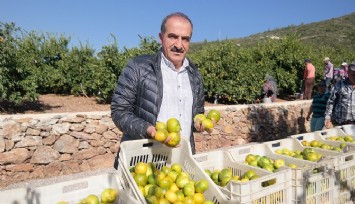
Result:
[48,145]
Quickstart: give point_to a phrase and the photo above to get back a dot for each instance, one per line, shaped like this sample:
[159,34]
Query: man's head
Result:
[322,87]
[351,73]
[175,35]
[344,64]
[326,60]
[306,61]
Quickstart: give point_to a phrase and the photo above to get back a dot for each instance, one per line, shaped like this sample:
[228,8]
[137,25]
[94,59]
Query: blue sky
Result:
[94,21]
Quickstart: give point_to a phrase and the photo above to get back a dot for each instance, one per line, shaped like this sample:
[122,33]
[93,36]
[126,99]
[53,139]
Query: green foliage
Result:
[33,63]
[17,83]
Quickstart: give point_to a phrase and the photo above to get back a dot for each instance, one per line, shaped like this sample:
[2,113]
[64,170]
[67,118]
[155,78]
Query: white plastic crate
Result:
[317,136]
[337,131]
[16,196]
[307,187]
[252,191]
[75,190]
[349,130]
[148,150]
[344,166]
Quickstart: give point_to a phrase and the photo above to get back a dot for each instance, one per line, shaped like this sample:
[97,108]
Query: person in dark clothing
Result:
[157,87]
[317,109]
[269,90]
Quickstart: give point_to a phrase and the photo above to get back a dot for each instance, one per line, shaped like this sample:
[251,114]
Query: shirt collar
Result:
[171,65]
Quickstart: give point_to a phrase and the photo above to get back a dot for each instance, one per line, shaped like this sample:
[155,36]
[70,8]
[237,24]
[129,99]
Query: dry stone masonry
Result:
[48,145]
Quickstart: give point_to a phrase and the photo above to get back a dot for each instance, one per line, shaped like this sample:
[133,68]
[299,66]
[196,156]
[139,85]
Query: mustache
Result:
[178,50]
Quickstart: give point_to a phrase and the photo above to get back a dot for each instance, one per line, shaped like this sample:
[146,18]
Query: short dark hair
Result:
[179,14]
[307,61]
[351,66]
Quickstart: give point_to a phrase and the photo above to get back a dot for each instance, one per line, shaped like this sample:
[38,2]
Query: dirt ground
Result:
[52,103]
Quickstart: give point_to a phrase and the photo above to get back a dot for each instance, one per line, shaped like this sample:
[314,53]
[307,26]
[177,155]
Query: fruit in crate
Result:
[214,115]
[90,199]
[318,144]
[268,164]
[279,163]
[168,185]
[307,154]
[108,195]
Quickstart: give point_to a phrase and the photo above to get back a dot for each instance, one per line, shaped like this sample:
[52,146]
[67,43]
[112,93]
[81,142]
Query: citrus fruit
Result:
[181,181]
[199,198]
[279,163]
[166,170]
[199,117]
[170,196]
[173,125]
[189,200]
[108,195]
[161,135]
[174,187]
[173,175]
[92,199]
[214,114]
[156,191]
[201,186]
[291,165]
[159,175]
[141,189]
[176,167]
[312,156]
[160,126]
[163,201]
[141,168]
[180,195]
[225,174]
[208,202]
[150,199]
[152,179]
[235,178]
[189,189]
[315,143]
[140,179]
[165,183]
[175,139]
[306,143]
[250,173]
[249,158]
[208,172]
[207,123]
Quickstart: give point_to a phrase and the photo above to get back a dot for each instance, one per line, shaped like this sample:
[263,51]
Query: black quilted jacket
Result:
[138,96]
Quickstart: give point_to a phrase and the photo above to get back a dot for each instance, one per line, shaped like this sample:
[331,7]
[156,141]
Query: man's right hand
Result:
[327,123]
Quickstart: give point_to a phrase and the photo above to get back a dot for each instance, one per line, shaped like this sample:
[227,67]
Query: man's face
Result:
[176,39]
[351,76]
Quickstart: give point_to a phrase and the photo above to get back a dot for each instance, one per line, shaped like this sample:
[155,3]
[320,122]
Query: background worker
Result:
[341,104]
[328,72]
[308,77]
[318,107]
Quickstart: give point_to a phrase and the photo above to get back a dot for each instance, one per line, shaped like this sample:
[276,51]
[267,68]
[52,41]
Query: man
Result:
[318,107]
[308,77]
[344,66]
[328,72]
[157,87]
[341,104]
